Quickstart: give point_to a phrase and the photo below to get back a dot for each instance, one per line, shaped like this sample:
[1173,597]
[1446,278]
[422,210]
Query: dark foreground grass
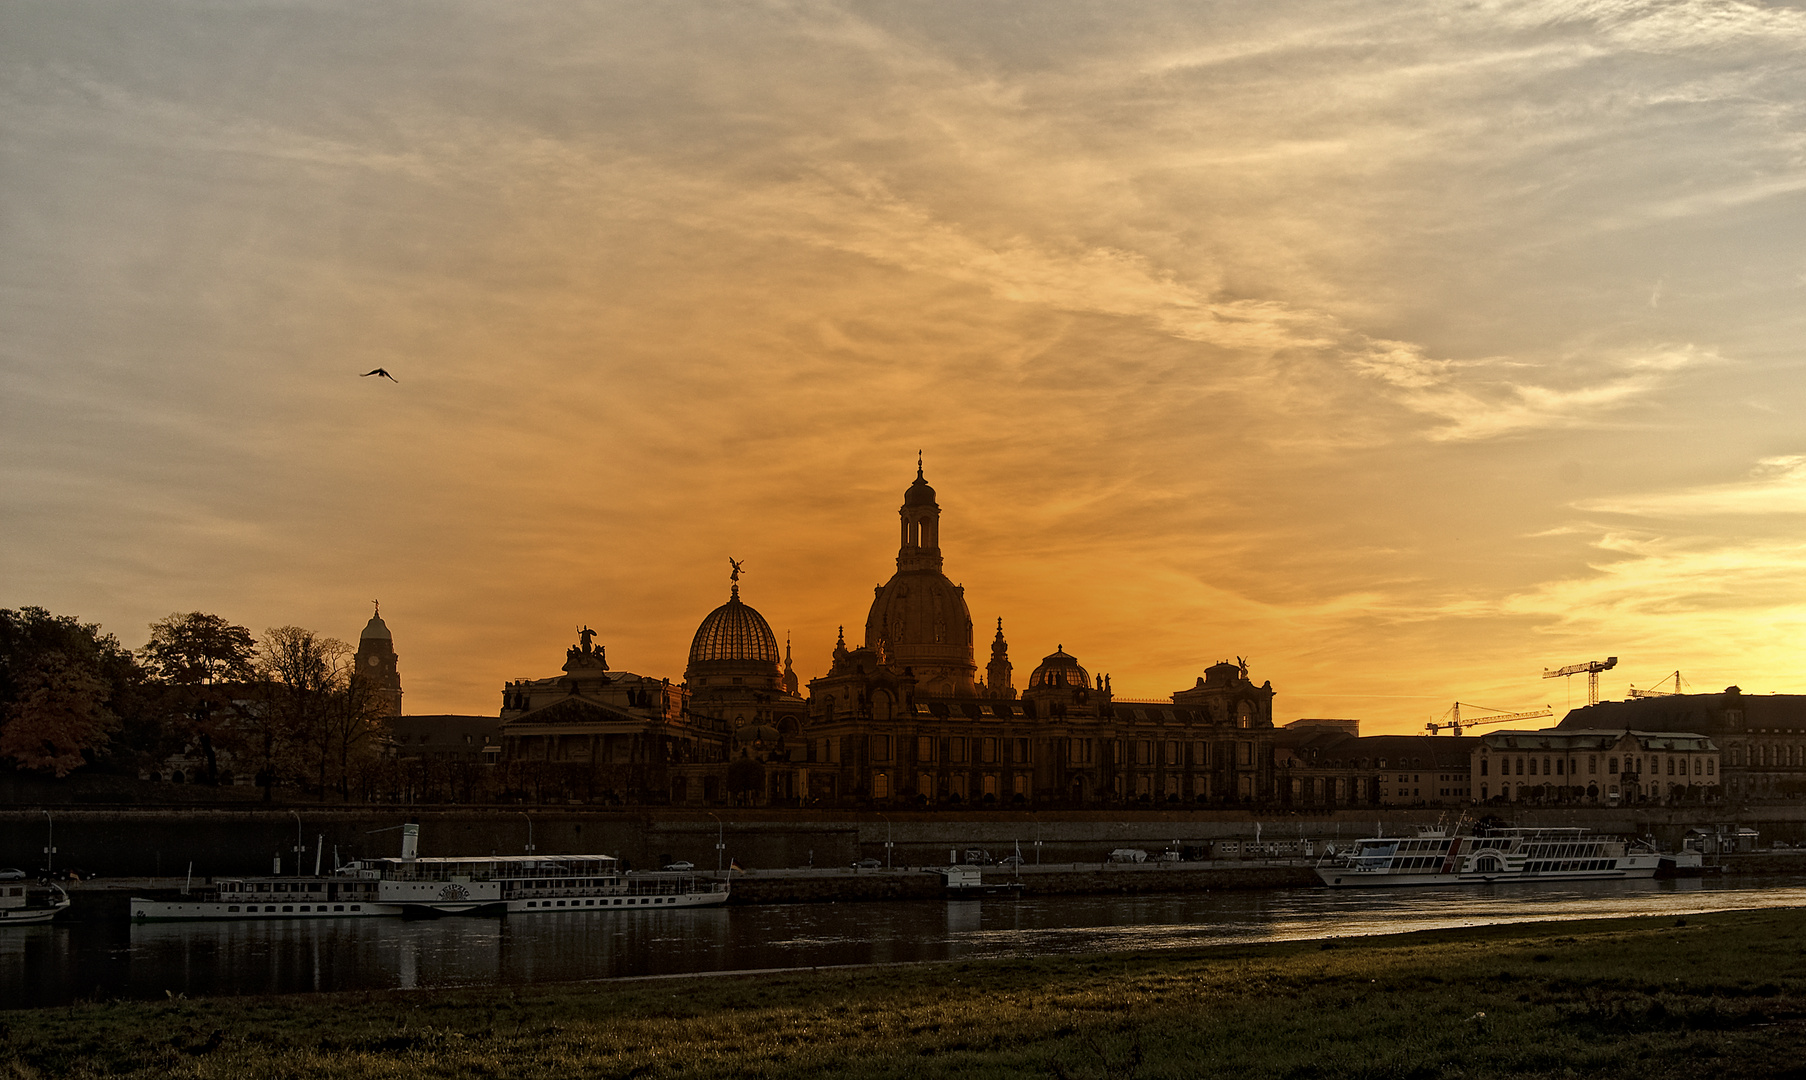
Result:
[1717,995]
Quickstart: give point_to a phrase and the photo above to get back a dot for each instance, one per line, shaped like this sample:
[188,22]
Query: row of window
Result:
[1768,755]
[295,886]
[616,902]
[290,908]
[1556,766]
[963,750]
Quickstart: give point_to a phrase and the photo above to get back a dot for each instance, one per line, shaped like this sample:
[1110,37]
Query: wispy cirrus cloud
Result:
[1775,486]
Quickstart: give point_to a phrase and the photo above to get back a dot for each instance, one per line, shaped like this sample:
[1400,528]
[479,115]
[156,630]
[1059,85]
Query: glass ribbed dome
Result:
[734,631]
[1060,669]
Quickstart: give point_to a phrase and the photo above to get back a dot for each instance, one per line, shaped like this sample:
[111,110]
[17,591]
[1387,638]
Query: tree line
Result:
[287,707]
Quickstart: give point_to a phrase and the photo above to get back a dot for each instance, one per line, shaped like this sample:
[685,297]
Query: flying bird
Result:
[379,371]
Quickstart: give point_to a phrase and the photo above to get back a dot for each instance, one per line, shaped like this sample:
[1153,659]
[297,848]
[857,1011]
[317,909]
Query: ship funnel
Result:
[410,842]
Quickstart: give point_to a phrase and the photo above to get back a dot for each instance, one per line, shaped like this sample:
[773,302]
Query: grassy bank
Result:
[1716,994]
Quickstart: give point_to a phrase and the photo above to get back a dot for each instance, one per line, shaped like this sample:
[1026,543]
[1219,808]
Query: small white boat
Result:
[23,905]
[1464,856]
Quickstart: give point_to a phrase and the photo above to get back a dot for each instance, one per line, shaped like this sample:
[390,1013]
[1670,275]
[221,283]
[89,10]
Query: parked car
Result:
[868,864]
[1010,860]
[1128,855]
[682,864]
[10,874]
[978,857]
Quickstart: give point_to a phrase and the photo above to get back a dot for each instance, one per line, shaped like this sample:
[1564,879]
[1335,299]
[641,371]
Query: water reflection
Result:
[57,963]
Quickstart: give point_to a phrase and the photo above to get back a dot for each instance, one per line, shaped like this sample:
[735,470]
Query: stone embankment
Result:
[149,841]
[804,886]
[104,899]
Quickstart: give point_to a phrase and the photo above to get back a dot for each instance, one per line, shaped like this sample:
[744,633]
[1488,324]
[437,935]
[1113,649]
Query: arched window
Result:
[880,785]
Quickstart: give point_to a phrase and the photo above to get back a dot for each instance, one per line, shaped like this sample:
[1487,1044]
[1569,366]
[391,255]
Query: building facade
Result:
[737,689]
[605,736]
[903,719]
[1578,765]
[1761,737]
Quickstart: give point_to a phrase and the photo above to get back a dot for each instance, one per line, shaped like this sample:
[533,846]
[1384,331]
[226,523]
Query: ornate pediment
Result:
[572,712]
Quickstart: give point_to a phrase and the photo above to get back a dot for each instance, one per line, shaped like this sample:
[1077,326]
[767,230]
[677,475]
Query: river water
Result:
[53,964]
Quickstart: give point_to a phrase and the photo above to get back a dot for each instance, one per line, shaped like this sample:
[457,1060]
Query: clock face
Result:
[374,661]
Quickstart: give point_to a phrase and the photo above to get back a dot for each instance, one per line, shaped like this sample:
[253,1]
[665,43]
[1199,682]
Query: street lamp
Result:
[1037,842]
[299,846]
[530,848]
[720,843]
[49,844]
[887,842]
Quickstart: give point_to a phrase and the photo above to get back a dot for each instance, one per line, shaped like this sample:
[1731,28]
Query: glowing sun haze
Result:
[1405,349]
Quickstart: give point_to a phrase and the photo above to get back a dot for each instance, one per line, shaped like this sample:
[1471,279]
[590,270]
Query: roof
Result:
[1594,738]
[442,730]
[1694,712]
[734,632]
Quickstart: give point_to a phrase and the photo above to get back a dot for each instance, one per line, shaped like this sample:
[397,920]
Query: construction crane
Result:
[1591,668]
[1652,692]
[1454,723]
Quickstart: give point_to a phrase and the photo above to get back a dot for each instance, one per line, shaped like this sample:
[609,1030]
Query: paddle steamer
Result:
[410,885]
[1463,856]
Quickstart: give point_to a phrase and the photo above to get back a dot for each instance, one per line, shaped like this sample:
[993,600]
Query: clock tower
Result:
[376,664]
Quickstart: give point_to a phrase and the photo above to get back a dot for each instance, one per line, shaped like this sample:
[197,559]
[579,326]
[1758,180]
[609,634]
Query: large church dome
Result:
[919,619]
[734,632]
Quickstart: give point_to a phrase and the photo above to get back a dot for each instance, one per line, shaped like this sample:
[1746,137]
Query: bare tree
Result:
[355,724]
[298,670]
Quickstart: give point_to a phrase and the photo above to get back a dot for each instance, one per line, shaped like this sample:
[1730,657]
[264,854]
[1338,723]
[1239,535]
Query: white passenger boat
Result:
[533,885]
[494,884]
[349,893]
[23,905]
[1468,857]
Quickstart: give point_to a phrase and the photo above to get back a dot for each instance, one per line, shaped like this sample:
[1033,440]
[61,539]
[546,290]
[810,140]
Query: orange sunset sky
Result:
[1404,349]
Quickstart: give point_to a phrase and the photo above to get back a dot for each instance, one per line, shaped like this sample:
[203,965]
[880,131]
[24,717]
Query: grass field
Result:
[1720,995]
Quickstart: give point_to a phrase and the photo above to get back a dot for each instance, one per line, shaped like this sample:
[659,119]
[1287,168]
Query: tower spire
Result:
[997,672]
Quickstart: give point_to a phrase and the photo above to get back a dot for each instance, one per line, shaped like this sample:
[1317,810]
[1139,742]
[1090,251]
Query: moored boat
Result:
[24,905]
[411,885]
[349,893]
[1471,856]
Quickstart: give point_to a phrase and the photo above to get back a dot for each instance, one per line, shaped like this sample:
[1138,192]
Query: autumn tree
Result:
[65,688]
[59,716]
[199,664]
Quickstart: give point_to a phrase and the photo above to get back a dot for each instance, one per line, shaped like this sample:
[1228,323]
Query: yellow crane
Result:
[1452,718]
[1590,669]
[1653,692]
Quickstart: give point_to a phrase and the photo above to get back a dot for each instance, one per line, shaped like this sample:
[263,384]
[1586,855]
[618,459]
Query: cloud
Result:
[1263,322]
[1775,486]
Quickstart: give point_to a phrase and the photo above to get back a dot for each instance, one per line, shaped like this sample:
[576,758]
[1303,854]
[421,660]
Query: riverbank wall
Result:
[250,840]
[142,842]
